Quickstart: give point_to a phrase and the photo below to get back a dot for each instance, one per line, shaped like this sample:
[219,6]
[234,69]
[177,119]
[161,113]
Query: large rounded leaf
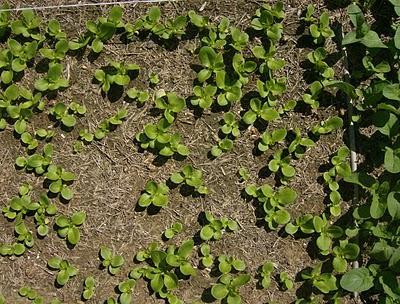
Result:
[357,280]
[219,291]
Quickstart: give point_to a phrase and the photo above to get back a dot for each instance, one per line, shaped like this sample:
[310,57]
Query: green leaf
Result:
[73,235]
[393,204]
[357,280]
[54,262]
[392,160]
[67,193]
[219,291]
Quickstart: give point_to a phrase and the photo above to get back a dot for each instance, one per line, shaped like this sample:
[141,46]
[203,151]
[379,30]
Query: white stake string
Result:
[81,5]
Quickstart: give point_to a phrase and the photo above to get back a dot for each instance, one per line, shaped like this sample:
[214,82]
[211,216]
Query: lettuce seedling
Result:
[214,39]
[281,163]
[268,20]
[223,146]
[154,194]
[158,138]
[320,29]
[44,134]
[309,16]
[152,18]
[54,30]
[211,62]
[201,22]
[266,271]
[171,103]
[272,88]
[29,141]
[175,228]
[259,110]
[228,287]
[126,289]
[17,58]
[231,125]
[66,115]
[324,282]
[179,258]
[64,268]
[28,26]
[286,282]
[115,73]
[317,57]
[36,162]
[299,144]
[345,251]
[110,123]
[304,223]
[24,236]
[327,233]
[328,126]
[172,28]
[240,39]
[243,68]
[16,249]
[207,259]
[46,207]
[274,203]
[79,43]
[268,140]
[112,262]
[362,34]
[53,81]
[141,96]
[20,205]
[269,63]
[244,174]
[89,287]
[226,264]
[154,79]
[86,136]
[30,294]
[104,28]
[215,228]
[67,227]
[231,88]
[59,180]
[204,96]
[58,53]
[191,177]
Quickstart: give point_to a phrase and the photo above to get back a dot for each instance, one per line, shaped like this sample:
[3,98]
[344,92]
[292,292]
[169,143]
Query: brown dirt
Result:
[112,173]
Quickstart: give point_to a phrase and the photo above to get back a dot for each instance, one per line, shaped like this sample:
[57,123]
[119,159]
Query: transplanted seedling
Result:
[344,252]
[54,30]
[112,262]
[223,146]
[28,26]
[46,207]
[304,223]
[230,125]
[115,73]
[227,264]
[207,259]
[281,163]
[58,53]
[191,177]
[20,205]
[89,286]
[268,139]
[60,179]
[171,103]
[31,295]
[268,20]
[126,289]
[204,96]
[211,61]
[266,271]
[53,80]
[135,94]
[179,257]
[154,194]
[175,228]
[228,287]
[260,110]
[327,232]
[324,282]
[16,249]
[215,228]
[67,227]
[299,144]
[64,268]
[36,162]
[158,138]
[109,124]
[328,126]
[286,281]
